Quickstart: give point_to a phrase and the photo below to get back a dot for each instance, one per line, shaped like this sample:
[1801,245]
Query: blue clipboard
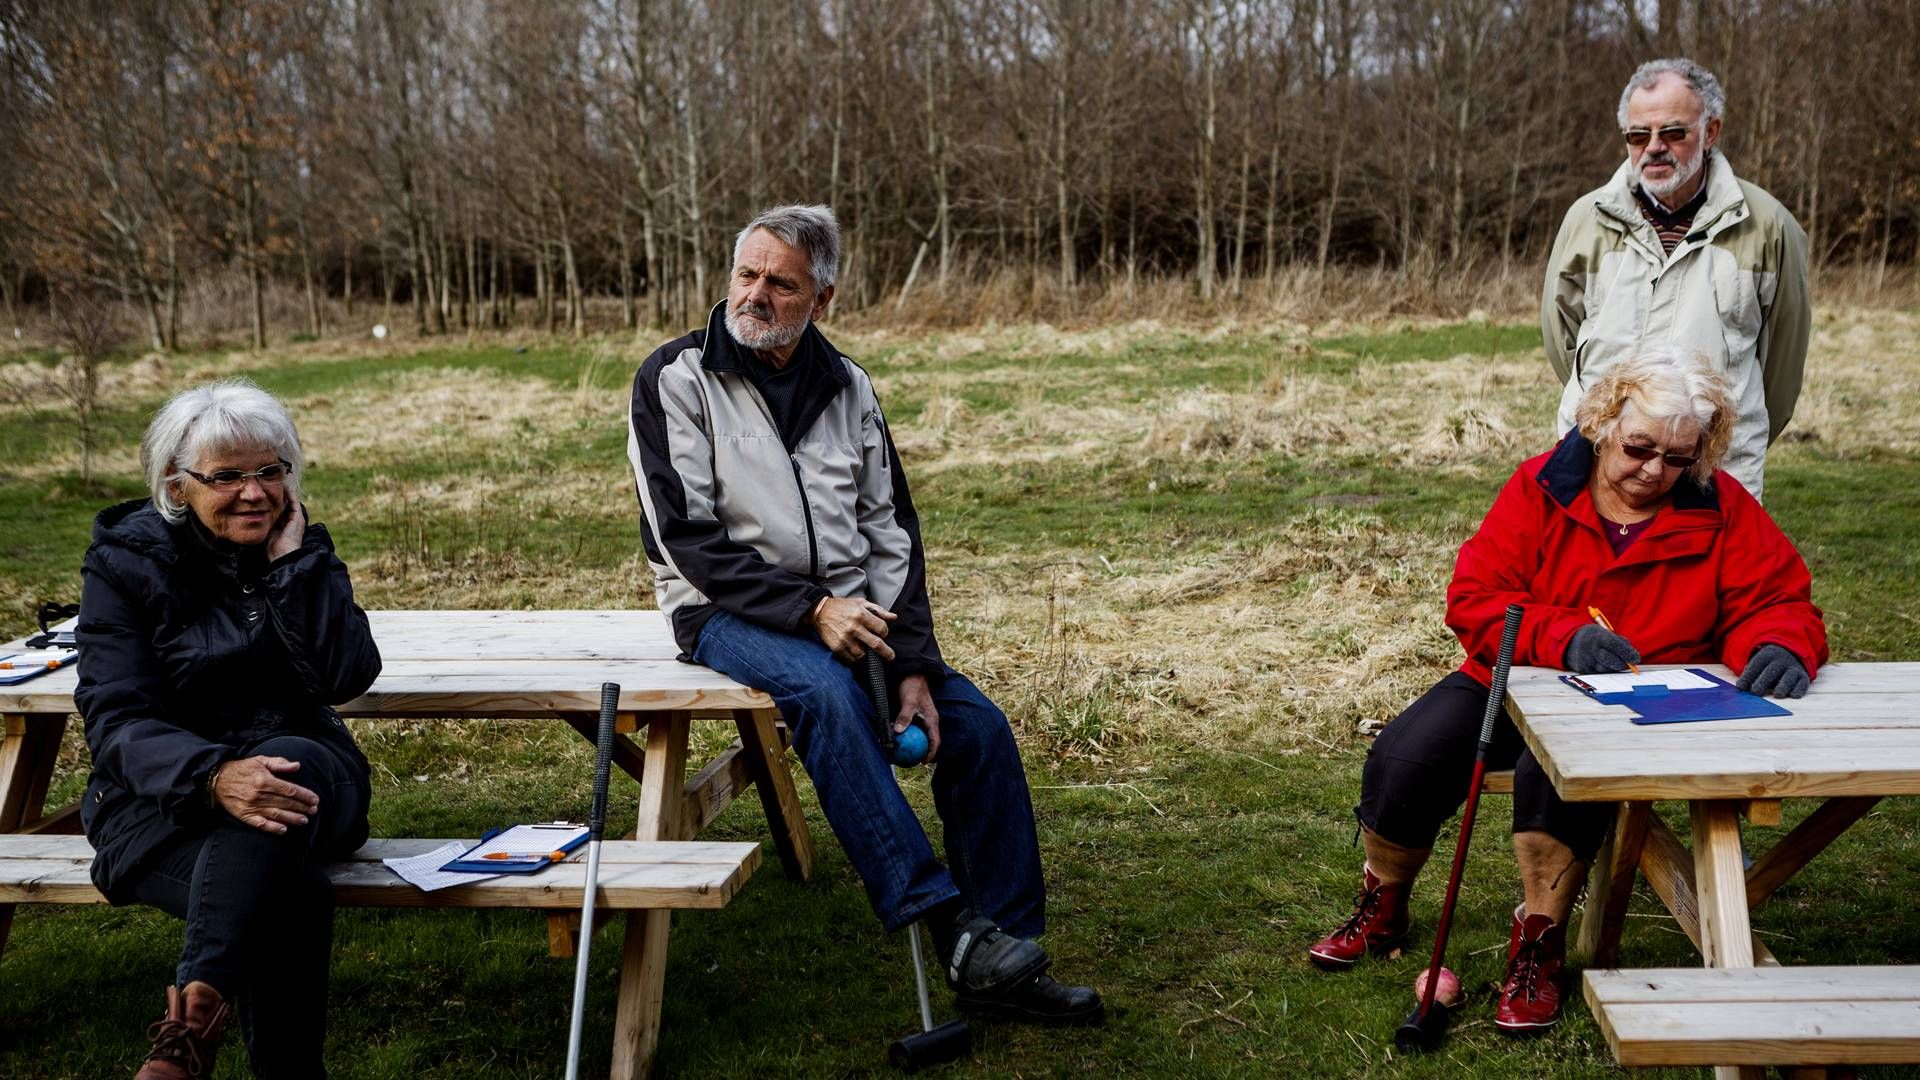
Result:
[1659,705]
[566,837]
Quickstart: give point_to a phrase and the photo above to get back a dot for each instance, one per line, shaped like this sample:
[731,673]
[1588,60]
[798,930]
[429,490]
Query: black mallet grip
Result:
[1497,693]
[874,675]
[603,757]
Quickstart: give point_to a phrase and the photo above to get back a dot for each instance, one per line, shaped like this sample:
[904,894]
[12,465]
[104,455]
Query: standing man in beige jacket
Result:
[1676,249]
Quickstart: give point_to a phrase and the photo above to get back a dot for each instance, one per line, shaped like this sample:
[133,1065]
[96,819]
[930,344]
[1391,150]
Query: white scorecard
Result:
[1673,679]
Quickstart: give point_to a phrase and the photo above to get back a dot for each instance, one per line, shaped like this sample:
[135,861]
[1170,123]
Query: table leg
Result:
[643,961]
[29,751]
[767,756]
[1668,866]
[1720,878]
[1610,886]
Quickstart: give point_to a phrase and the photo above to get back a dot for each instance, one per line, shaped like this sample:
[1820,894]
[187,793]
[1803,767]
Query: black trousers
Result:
[1418,771]
[259,910]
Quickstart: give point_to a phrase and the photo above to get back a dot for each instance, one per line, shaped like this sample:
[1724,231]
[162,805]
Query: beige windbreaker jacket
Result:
[1735,289]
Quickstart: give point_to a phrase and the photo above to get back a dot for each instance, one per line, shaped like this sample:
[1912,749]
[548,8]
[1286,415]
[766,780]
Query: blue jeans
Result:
[259,910]
[979,785]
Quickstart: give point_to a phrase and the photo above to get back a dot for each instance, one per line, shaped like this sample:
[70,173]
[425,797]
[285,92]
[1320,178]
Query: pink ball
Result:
[1449,992]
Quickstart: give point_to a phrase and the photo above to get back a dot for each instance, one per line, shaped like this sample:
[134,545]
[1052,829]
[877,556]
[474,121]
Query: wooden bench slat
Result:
[1759,1016]
[1707,985]
[633,875]
[1765,1033]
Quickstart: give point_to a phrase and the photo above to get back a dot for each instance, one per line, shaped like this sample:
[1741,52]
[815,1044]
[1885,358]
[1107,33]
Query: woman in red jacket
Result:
[1628,514]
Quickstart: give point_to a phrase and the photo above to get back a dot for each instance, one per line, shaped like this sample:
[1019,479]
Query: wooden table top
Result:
[497,664]
[1857,732]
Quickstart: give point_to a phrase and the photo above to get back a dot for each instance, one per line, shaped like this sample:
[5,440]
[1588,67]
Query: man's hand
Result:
[850,626]
[251,790]
[291,533]
[916,698]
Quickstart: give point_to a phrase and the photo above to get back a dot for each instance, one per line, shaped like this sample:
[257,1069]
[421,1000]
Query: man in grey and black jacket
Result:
[784,545]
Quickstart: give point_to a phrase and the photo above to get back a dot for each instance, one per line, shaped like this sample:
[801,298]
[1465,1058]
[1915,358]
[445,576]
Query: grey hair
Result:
[1713,100]
[812,229]
[1664,384]
[229,414]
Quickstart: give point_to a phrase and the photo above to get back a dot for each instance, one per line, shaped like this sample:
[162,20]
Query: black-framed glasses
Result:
[271,476]
[1672,135]
[1648,453]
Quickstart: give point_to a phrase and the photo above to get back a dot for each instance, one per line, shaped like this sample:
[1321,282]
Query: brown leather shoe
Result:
[184,1040]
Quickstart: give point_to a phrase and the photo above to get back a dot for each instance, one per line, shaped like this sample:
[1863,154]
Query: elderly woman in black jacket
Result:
[217,629]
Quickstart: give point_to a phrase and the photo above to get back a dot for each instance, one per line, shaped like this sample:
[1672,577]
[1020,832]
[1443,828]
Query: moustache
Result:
[759,311]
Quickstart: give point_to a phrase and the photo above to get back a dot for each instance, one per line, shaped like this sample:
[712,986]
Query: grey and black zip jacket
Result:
[733,517]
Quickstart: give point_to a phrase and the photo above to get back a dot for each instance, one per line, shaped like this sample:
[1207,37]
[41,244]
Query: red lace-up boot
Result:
[1378,925]
[184,1040]
[1530,995]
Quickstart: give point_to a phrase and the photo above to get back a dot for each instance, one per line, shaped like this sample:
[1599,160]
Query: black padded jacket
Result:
[191,650]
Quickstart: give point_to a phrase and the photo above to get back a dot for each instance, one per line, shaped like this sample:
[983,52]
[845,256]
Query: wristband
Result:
[213,801]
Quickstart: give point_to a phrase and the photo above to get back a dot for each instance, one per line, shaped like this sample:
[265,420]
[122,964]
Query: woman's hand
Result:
[1772,671]
[291,532]
[1594,651]
[251,790]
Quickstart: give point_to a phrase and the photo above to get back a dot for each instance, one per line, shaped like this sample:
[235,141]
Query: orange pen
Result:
[1608,627]
[525,856]
[8,665]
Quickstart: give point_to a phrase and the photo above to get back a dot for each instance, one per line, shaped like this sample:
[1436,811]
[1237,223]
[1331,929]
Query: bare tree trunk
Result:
[307,275]
[256,278]
[346,264]
[627,314]
[471,315]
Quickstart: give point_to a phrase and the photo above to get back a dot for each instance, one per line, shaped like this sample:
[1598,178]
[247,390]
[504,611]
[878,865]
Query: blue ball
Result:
[910,746]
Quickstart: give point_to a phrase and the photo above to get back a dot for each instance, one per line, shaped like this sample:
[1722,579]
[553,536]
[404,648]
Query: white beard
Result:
[1683,174]
[763,336]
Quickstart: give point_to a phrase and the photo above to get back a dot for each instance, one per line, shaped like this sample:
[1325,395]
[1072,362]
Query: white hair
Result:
[1713,100]
[1665,385]
[230,414]
[812,229]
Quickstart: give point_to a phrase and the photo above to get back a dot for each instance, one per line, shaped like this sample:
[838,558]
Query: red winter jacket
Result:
[1713,578]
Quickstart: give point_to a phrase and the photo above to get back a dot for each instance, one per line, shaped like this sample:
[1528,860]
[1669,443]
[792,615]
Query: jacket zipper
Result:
[799,483]
[806,511]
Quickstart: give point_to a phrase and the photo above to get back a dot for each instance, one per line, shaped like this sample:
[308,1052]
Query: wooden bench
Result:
[635,876]
[1792,1016]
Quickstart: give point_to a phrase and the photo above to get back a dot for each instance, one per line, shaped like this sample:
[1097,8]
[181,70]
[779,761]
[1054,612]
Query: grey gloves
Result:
[1774,672]
[1597,651]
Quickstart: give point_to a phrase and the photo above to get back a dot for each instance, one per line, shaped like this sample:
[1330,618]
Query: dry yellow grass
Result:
[1279,641]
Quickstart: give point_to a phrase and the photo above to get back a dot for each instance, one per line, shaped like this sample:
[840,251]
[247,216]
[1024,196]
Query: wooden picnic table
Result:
[518,664]
[1853,740]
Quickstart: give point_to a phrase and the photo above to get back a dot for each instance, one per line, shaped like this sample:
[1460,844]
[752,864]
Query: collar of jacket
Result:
[137,526]
[719,352]
[1726,203]
[1564,475]
[232,560]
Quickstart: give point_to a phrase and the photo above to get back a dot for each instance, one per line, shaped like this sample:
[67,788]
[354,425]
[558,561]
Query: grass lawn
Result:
[1185,562]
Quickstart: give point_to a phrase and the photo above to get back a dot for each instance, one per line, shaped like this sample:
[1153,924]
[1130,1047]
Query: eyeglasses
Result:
[270,476]
[1648,453]
[1672,135]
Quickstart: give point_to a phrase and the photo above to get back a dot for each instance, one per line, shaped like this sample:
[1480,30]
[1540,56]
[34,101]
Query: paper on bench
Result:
[1675,679]
[423,870]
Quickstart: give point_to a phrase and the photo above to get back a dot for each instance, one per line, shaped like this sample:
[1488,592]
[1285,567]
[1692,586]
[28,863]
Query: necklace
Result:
[1623,530]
